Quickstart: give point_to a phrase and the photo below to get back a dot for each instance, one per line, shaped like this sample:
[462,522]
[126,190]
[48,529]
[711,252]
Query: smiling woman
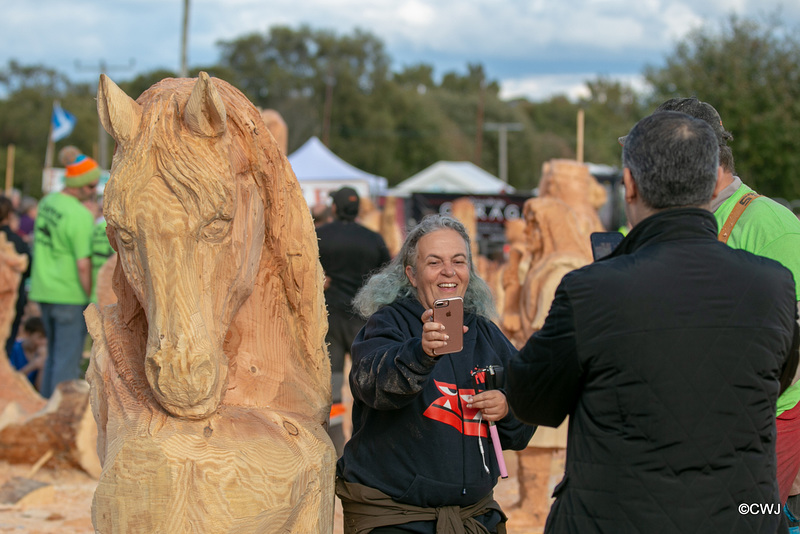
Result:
[418,454]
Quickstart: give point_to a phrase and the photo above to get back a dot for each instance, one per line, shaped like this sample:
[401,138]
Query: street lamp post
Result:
[503,128]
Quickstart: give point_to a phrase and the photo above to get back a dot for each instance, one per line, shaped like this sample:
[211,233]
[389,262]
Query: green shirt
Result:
[101,251]
[767,229]
[62,236]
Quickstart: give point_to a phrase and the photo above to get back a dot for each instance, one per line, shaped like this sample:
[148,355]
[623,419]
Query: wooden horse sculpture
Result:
[210,378]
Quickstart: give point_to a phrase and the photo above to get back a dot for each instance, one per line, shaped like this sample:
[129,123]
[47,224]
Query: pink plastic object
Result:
[498,451]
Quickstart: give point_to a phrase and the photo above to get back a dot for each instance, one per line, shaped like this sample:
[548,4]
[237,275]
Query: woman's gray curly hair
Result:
[391,283]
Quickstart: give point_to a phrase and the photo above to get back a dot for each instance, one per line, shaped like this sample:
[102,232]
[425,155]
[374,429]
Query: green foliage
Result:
[609,112]
[750,72]
[25,110]
[395,124]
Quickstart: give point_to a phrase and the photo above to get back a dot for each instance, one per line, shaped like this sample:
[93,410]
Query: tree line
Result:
[396,123]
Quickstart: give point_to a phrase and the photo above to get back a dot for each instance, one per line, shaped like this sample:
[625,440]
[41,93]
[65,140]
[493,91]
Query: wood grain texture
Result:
[210,376]
[105,278]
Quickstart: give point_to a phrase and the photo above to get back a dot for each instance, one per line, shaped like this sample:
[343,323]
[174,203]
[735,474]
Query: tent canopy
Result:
[315,161]
[320,172]
[452,177]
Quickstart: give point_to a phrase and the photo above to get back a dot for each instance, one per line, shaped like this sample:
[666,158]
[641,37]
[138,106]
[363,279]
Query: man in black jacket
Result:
[348,253]
[668,355]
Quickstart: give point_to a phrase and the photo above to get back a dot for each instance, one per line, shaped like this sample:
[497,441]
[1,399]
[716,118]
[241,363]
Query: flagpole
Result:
[48,156]
[10,170]
[51,145]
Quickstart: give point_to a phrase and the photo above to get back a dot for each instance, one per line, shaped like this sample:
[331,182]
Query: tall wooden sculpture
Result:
[210,378]
[556,247]
[558,225]
[277,127]
[571,182]
[17,395]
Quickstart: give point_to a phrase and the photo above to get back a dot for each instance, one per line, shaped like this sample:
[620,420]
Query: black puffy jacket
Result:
[667,357]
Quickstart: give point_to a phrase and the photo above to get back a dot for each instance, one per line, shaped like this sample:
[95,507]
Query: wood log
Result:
[26,492]
[390,228]
[64,426]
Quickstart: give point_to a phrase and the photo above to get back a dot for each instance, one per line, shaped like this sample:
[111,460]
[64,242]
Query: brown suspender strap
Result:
[738,209]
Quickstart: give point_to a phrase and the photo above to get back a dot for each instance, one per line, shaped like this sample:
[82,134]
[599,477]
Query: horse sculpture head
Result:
[196,185]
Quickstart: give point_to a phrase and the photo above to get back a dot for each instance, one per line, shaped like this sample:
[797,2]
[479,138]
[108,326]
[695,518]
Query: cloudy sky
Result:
[535,48]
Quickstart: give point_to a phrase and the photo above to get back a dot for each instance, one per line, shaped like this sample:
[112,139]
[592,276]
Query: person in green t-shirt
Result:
[771,230]
[61,276]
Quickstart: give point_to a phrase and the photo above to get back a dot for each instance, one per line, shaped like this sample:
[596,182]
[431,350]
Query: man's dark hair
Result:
[6,207]
[33,325]
[705,111]
[673,159]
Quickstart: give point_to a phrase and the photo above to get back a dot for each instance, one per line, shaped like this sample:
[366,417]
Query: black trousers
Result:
[342,330]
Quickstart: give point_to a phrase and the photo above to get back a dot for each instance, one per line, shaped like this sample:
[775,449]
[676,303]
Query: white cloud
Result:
[537,88]
[573,86]
[514,39]
[415,13]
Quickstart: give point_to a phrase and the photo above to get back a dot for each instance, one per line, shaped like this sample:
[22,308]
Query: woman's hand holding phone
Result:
[435,338]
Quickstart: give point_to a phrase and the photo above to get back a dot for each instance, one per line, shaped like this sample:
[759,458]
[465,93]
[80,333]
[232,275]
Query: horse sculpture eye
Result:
[216,230]
[125,236]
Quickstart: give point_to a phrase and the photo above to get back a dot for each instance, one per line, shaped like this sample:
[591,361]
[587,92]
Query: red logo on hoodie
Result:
[451,409]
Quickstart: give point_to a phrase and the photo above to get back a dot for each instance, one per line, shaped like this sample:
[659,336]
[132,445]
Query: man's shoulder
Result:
[770,229]
[67,204]
[347,228]
[764,210]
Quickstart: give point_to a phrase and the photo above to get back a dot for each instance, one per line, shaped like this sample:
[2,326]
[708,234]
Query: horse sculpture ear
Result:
[205,113]
[119,113]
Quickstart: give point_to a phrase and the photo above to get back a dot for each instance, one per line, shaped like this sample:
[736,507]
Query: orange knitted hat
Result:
[83,171]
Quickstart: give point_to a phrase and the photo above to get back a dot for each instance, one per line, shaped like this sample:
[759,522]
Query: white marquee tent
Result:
[452,177]
[320,171]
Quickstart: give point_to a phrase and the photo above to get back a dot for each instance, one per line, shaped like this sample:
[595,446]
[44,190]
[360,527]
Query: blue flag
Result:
[63,122]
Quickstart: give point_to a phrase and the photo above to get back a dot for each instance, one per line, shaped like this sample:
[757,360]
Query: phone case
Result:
[450,312]
[604,243]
